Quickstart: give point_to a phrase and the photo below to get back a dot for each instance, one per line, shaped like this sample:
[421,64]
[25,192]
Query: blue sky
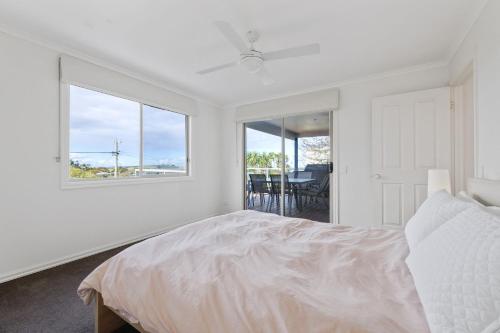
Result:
[97,119]
[261,142]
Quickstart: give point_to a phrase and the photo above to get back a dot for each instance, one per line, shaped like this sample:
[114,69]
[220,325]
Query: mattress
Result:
[256,272]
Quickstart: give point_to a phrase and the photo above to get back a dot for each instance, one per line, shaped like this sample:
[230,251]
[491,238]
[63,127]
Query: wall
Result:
[482,48]
[356,206]
[40,224]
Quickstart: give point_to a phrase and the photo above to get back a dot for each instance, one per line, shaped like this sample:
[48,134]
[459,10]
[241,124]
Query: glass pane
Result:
[104,135]
[307,179]
[263,165]
[164,135]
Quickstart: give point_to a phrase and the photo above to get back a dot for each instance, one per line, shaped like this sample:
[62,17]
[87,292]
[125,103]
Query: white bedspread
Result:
[256,272]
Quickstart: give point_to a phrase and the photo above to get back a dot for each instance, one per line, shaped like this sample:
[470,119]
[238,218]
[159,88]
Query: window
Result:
[164,137]
[116,138]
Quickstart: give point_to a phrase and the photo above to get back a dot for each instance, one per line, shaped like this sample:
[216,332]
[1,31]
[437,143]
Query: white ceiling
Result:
[169,40]
[316,124]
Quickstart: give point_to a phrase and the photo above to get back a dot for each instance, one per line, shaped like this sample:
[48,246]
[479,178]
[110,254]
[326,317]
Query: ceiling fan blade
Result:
[292,52]
[232,36]
[217,68]
[265,76]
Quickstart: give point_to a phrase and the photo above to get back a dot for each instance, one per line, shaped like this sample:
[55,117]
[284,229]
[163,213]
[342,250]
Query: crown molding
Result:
[343,83]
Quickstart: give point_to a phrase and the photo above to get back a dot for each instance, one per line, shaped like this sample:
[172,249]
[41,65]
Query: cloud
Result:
[97,119]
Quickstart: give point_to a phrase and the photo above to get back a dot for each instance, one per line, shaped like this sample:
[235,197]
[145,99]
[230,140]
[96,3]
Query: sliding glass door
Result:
[308,179]
[287,166]
[263,167]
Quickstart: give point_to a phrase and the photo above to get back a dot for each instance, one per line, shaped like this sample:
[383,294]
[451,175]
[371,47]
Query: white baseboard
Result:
[66,259]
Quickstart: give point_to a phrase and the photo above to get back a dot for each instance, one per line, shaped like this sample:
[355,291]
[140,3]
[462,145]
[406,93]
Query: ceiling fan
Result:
[252,59]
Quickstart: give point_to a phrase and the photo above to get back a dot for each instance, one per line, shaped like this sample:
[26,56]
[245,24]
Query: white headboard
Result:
[485,191]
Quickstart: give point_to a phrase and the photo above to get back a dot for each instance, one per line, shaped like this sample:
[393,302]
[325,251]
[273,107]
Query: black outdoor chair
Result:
[276,192]
[321,191]
[318,171]
[259,186]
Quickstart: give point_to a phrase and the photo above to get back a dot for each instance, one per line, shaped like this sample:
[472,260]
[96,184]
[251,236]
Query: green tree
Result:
[264,160]
[315,150]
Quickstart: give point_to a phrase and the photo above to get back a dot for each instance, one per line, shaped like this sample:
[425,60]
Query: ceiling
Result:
[307,125]
[170,40]
[316,124]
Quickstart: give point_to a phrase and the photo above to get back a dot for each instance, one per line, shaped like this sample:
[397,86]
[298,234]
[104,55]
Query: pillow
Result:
[457,274]
[493,210]
[436,210]
[462,195]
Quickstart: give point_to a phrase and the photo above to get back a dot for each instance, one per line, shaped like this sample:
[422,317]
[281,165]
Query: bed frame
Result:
[108,320]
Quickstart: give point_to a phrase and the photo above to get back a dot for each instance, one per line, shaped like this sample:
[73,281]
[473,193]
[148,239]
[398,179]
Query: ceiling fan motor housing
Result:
[252,61]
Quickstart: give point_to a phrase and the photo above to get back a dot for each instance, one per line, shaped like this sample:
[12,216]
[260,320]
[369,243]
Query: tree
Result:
[315,150]
[84,170]
[264,160]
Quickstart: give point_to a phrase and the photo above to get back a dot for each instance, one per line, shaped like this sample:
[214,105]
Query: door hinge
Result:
[452,106]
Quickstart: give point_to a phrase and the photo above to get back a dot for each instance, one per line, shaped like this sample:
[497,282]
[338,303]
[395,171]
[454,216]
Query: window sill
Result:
[68,184]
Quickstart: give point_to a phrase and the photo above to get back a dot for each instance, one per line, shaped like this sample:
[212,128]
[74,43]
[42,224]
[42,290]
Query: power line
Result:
[92,152]
[116,153]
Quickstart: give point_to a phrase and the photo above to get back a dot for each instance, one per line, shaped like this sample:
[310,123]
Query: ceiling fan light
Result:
[252,63]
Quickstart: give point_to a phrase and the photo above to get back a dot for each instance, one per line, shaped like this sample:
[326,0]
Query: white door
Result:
[410,134]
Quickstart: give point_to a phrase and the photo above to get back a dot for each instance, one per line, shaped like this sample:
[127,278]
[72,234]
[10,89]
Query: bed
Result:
[256,272]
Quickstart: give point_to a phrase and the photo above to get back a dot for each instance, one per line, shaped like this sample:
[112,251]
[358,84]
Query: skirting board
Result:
[64,260]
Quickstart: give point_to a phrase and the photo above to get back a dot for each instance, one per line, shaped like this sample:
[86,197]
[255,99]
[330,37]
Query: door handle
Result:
[377,176]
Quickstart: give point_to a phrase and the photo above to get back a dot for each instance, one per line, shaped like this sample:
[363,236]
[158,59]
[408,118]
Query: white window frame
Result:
[71,183]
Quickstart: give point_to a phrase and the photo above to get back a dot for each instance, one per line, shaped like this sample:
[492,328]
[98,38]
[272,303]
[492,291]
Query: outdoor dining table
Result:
[296,183]
[300,181]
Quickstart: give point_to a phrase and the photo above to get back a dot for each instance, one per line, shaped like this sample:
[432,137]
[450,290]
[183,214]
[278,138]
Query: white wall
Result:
[482,48]
[355,184]
[42,224]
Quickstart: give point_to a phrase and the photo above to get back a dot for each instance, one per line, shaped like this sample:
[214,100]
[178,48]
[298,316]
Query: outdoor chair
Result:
[276,192]
[321,191]
[259,186]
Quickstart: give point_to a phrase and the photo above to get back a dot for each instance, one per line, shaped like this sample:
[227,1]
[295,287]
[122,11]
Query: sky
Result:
[261,142]
[97,119]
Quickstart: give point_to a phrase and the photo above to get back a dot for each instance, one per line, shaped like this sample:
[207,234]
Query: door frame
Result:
[458,114]
[334,158]
[335,175]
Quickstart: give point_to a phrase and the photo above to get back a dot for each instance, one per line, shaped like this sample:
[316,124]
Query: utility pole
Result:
[116,153]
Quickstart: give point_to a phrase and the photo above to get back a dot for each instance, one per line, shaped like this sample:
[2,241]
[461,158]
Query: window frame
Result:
[64,137]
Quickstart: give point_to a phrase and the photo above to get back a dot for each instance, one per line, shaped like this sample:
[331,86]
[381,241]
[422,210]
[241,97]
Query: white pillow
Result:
[436,210]
[457,274]
[462,195]
[493,210]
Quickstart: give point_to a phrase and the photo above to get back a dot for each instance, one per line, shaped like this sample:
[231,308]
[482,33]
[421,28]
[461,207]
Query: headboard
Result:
[485,191]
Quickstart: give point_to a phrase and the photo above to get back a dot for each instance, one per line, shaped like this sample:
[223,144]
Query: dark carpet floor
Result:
[47,301]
